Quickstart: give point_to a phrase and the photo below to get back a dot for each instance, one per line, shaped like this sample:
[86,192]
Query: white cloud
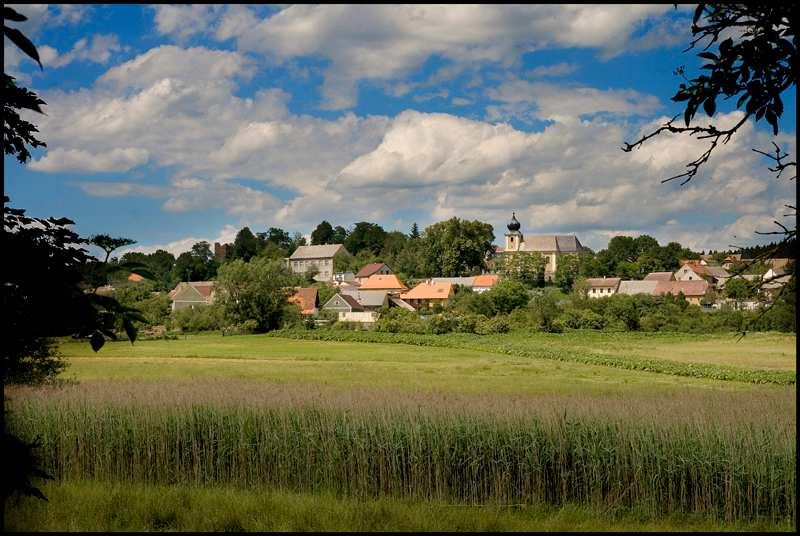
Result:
[99,50]
[79,160]
[120,189]
[555,70]
[226,235]
[185,21]
[386,42]
[522,99]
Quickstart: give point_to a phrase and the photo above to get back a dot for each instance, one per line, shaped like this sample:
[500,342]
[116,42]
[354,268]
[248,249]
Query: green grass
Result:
[94,506]
[530,347]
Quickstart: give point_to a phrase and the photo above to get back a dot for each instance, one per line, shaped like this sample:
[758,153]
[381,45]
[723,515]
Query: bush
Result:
[439,324]
[245,328]
[203,318]
[488,326]
[397,320]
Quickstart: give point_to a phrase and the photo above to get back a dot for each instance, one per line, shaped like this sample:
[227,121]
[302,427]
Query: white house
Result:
[602,287]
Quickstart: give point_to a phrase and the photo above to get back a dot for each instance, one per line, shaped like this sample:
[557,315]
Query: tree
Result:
[256,291]
[755,62]
[365,235]
[197,264]
[456,247]
[297,241]
[339,235]
[109,244]
[567,270]
[527,268]
[323,234]
[738,289]
[414,234]
[245,246]
[279,237]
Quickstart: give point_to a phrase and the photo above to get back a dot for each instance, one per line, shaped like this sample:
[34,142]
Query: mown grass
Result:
[659,468]
[522,347]
[95,506]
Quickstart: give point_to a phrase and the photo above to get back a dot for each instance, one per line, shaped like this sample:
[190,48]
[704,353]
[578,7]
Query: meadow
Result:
[488,439]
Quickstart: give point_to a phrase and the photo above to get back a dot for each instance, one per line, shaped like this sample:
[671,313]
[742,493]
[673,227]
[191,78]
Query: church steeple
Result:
[513,236]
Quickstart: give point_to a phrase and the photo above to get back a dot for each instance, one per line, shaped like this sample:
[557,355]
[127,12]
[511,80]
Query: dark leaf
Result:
[710,106]
[697,13]
[130,330]
[23,43]
[708,56]
[97,341]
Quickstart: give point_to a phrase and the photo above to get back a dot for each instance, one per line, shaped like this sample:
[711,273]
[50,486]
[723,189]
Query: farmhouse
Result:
[318,258]
[188,295]
[602,287]
[428,294]
[375,268]
[550,246]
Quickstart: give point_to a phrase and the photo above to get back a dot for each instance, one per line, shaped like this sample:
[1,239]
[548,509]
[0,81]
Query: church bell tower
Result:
[513,236]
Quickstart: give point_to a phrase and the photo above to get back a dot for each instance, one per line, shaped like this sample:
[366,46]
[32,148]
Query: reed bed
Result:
[732,473]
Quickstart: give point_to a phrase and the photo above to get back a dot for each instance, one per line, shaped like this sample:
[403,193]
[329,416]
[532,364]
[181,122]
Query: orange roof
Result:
[699,269]
[383,282]
[429,291]
[689,288]
[306,298]
[487,280]
[135,278]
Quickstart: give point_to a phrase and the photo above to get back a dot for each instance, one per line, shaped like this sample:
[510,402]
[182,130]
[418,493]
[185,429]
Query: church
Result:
[549,246]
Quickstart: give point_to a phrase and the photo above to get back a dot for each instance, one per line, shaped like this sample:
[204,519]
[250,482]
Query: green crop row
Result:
[518,348]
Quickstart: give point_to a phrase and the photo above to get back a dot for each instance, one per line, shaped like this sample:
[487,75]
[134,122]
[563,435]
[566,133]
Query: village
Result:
[359,297]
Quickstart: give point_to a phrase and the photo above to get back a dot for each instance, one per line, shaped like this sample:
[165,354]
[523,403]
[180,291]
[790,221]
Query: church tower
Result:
[513,236]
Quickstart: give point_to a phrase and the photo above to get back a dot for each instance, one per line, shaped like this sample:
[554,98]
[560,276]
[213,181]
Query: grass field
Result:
[226,413]
[94,506]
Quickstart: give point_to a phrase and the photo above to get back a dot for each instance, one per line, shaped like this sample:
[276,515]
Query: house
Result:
[637,287]
[771,288]
[372,300]
[319,258]
[343,303]
[375,268]
[426,295]
[690,271]
[188,295]
[388,282]
[549,246]
[349,288]
[307,299]
[693,271]
[344,277]
[693,290]
[482,283]
[602,287]
[660,276]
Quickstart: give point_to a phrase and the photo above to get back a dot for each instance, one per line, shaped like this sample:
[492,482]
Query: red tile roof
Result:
[370,269]
[486,280]
[603,282]
[689,288]
[306,298]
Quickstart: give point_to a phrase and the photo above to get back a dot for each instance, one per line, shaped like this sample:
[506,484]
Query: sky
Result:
[172,124]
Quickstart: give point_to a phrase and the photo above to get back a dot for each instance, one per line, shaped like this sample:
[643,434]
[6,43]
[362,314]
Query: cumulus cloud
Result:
[541,100]
[98,49]
[386,42]
[555,70]
[79,160]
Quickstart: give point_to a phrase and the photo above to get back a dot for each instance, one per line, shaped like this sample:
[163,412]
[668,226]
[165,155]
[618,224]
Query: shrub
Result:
[203,318]
[397,320]
[439,324]
[244,328]
[488,326]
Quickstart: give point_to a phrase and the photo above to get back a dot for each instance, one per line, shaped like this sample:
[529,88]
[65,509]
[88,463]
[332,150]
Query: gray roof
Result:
[463,281]
[401,303]
[350,300]
[637,287]
[560,243]
[372,298]
[718,271]
[326,251]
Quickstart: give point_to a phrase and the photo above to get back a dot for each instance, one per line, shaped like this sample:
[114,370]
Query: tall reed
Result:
[731,473]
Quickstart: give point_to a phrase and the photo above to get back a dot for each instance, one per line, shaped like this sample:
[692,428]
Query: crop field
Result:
[475,433]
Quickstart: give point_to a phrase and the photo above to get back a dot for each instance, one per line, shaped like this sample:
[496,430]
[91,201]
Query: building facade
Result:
[319,258]
[551,247]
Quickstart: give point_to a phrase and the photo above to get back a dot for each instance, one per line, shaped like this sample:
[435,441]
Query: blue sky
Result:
[174,124]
